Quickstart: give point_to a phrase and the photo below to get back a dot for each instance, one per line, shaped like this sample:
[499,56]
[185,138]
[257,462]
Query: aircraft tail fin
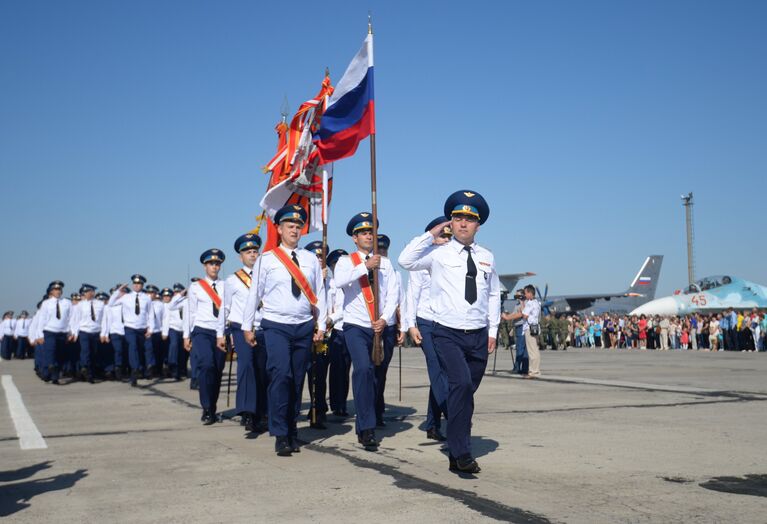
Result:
[646,281]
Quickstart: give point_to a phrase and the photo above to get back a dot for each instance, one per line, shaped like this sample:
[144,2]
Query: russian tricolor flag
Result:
[350,113]
[644,281]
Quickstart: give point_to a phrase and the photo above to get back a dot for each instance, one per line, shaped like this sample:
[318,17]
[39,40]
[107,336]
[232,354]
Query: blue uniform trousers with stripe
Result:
[389,339]
[210,366]
[53,347]
[288,348]
[88,349]
[462,355]
[135,340]
[437,378]
[251,373]
[359,342]
[177,355]
[117,343]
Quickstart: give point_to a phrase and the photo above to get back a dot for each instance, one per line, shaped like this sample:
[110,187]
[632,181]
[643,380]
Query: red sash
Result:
[244,278]
[367,291]
[296,274]
[211,292]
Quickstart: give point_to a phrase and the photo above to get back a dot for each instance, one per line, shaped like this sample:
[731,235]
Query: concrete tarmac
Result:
[603,436]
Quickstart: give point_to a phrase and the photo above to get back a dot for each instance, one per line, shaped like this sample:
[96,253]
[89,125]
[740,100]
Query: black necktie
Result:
[58,310]
[370,271]
[471,278]
[215,307]
[181,314]
[138,309]
[293,284]
[93,313]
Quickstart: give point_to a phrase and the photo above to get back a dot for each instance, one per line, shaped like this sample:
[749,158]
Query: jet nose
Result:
[659,306]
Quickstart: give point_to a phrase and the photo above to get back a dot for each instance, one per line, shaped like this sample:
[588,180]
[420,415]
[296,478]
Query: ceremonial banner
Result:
[350,114]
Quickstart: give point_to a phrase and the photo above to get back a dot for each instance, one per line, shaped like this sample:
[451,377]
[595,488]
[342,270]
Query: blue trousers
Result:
[521,362]
[340,366]
[22,348]
[210,366]
[70,356]
[53,347]
[117,342]
[251,373]
[7,347]
[287,352]
[359,342]
[437,378]
[89,343]
[151,351]
[135,340]
[177,355]
[389,339]
[39,357]
[463,357]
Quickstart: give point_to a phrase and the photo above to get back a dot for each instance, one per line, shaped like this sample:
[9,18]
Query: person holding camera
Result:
[521,361]
[530,314]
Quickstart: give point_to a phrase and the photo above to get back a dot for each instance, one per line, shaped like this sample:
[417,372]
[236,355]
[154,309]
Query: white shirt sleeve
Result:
[254,296]
[417,254]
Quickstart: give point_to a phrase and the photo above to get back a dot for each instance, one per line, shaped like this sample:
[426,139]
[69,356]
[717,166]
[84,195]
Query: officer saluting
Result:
[138,320]
[465,302]
[353,275]
[251,361]
[288,280]
[207,322]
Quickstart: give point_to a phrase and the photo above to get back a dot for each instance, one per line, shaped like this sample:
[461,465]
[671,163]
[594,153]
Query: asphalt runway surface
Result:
[603,436]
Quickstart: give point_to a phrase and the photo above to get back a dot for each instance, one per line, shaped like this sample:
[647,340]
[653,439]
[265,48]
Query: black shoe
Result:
[193,384]
[109,375]
[368,440]
[380,423]
[118,374]
[466,465]
[282,447]
[250,423]
[208,417]
[320,424]
[55,381]
[435,434]
[134,379]
[294,445]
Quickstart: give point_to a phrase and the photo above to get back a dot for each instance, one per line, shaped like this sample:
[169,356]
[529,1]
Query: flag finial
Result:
[284,109]
[370,23]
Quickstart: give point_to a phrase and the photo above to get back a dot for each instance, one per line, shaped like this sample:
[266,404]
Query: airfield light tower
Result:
[688,203]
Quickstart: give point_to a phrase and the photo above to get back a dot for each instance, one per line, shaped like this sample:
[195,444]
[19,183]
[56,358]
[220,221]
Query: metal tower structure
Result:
[687,202]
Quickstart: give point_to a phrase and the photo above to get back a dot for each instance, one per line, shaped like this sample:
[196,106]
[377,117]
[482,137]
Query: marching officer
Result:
[52,329]
[113,333]
[173,332]
[7,327]
[354,276]
[288,280]
[207,323]
[421,322]
[138,320]
[153,355]
[340,362]
[88,314]
[251,360]
[20,334]
[392,335]
[465,301]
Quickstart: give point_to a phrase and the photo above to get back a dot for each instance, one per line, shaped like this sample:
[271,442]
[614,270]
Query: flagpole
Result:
[378,354]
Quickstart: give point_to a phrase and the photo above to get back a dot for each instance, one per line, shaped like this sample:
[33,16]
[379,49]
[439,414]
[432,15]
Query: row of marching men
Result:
[278,309]
[93,335]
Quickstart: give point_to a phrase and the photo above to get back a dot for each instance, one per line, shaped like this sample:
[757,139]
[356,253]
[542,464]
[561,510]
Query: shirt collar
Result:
[288,250]
[458,247]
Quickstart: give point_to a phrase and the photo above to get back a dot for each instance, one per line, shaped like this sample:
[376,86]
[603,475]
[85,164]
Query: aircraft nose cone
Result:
[659,306]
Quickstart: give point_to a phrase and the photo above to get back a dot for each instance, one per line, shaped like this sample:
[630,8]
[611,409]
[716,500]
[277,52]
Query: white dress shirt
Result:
[533,311]
[145,318]
[447,265]
[171,319]
[112,321]
[7,327]
[236,298]
[272,286]
[22,327]
[418,289]
[335,305]
[82,316]
[48,320]
[180,304]
[347,277]
[158,307]
[200,308]
[401,306]
[33,332]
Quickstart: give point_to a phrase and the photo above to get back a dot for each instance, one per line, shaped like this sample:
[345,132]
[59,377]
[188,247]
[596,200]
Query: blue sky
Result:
[132,134]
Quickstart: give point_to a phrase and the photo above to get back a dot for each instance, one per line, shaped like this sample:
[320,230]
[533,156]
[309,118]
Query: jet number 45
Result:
[699,300]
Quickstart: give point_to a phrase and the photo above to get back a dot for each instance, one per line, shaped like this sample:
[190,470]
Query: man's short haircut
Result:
[530,289]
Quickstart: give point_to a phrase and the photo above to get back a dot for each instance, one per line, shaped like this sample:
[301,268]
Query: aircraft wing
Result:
[580,302]
[509,281]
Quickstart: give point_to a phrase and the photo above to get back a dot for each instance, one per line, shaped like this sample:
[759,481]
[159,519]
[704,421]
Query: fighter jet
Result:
[708,295]
[641,290]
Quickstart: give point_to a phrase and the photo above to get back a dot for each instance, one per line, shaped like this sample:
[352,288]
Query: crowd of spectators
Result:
[726,331]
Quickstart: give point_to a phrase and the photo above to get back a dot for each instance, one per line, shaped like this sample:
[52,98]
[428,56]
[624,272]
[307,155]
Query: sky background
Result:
[132,134]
